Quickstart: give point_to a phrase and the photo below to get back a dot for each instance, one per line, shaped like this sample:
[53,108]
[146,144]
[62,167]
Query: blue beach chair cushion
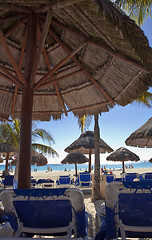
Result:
[8,180]
[44,213]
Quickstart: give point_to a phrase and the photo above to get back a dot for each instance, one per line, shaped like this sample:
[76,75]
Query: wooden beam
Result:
[7,78]
[70,110]
[14,101]
[42,9]
[62,4]
[14,79]
[4,119]
[42,80]
[107,50]
[75,23]
[40,47]
[11,59]
[11,30]
[130,83]
[23,49]
[14,7]
[20,66]
[46,57]
[107,69]
[96,29]
[54,80]
[105,94]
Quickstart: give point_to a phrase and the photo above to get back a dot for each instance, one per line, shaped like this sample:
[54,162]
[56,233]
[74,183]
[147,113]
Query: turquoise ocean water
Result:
[60,167]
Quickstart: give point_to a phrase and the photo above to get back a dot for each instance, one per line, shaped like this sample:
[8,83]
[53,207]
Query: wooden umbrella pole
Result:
[24,172]
[123,167]
[6,165]
[90,160]
[76,172]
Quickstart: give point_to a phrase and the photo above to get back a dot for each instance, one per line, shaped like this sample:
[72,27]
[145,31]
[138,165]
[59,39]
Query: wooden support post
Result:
[24,173]
[90,160]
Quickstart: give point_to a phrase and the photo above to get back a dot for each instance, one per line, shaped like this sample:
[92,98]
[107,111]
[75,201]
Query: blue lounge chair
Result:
[148,175]
[44,183]
[8,181]
[33,182]
[55,211]
[84,180]
[64,180]
[128,211]
[130,176]
[109,178]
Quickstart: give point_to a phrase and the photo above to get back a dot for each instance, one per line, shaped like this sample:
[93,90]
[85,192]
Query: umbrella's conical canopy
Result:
[122,154]
[96,57]
[142,137]
[37,159]
[7,148]
[86,142]
[73,158]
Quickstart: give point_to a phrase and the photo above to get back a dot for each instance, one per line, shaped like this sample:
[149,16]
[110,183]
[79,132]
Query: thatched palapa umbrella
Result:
[58,56]
[75,158]
[122,155]
[142,137]
[7,150]
[85,145]
[37,159]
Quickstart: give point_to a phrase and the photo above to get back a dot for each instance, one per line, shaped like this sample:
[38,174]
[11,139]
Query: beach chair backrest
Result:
[148,175]
[64,180]
[130,176]
[135,209]
[84,179]
[109,178]
[74,195]
[44,213]
[8,181]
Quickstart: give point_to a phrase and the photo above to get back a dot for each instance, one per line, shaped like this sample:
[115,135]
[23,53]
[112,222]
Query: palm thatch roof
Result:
[37,159]
[94,57]
[85,143]
[142,137]
[75,158]
[122,154]
[7,148]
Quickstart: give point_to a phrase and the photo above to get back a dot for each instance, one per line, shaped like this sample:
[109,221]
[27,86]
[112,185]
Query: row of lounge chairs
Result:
[129,177]
[83,180]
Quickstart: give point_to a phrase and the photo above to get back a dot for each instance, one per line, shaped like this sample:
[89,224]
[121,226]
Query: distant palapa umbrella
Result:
[122,155]
[85,145]
[37,159]
[142,137]
[7,150]
[75,158]
[150,160]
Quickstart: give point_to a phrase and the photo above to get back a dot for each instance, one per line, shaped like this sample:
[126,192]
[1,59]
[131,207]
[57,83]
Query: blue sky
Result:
[115,125]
